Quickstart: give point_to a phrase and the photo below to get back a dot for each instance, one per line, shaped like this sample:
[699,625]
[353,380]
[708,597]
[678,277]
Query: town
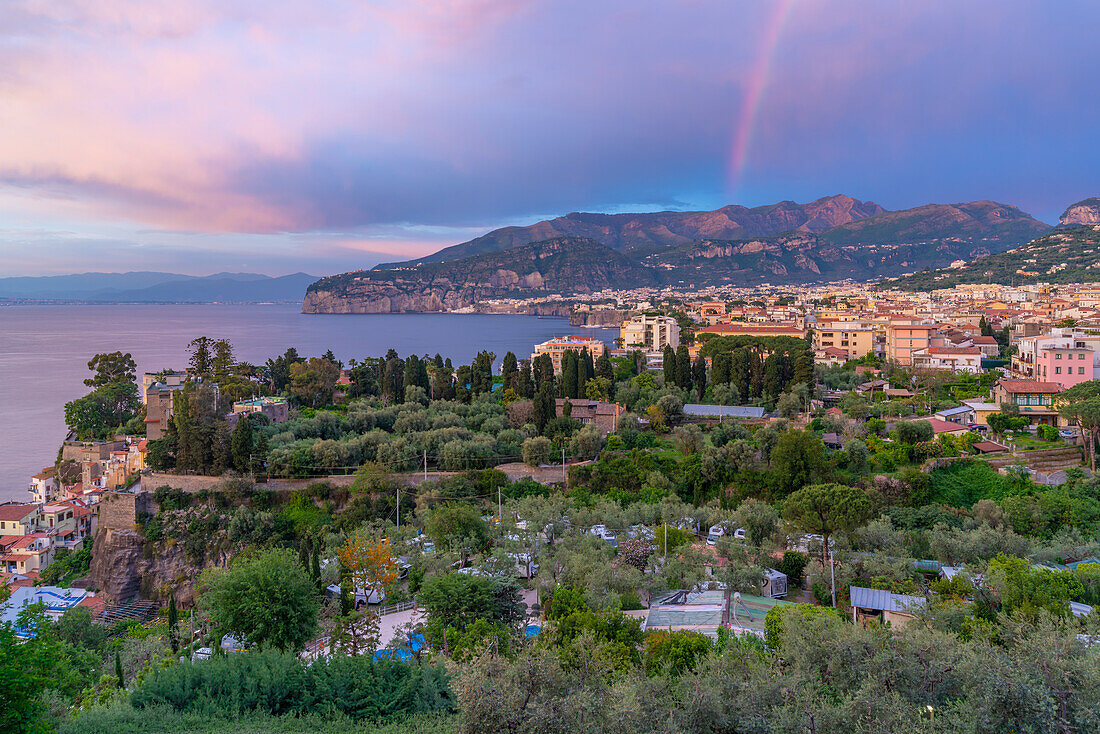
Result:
[734,464]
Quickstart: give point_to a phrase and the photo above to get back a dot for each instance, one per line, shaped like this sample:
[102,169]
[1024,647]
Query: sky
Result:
[199,136]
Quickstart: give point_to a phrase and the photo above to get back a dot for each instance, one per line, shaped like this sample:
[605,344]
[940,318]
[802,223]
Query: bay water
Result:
[44,350]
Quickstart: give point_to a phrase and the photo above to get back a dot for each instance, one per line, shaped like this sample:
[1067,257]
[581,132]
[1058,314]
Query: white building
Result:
[649,332]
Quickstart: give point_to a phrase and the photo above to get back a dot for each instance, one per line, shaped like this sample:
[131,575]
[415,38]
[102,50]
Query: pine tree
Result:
[173,623]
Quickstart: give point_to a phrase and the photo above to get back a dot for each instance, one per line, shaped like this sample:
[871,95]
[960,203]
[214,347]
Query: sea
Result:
[44,351]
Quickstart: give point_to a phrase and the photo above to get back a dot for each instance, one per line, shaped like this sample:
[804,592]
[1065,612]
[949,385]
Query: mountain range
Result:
[155,287]
[833,238]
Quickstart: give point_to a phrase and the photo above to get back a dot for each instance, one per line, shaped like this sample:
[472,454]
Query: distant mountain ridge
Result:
[155,287]
[559,265]
[1086,211]
[624,232]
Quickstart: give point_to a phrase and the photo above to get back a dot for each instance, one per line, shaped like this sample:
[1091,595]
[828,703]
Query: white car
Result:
[716,532]
[360,596]
[739,533]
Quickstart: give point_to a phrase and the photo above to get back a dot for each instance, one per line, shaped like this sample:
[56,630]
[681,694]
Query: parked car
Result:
[715,532]
[1068,433]
[360,597]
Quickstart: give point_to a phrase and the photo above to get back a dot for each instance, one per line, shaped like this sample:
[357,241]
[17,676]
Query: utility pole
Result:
[832,575]
[425,465]
[500,512]
[399,508]
[563,464]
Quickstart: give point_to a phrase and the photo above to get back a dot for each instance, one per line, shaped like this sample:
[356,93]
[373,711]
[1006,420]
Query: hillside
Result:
[1086,211]
[628,231]
[152,287]
[1065,255]
[560,265]
[983,224]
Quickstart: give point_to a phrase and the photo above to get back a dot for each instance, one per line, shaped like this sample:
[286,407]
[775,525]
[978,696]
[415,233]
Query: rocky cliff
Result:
[1085,212]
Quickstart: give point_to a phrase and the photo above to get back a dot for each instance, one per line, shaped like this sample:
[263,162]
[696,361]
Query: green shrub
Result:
[279,683]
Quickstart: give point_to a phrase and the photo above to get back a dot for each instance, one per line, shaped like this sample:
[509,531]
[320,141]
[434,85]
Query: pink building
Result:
[1066,366]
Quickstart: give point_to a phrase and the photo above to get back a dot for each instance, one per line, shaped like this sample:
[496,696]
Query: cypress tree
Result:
[569,374]
[508,371]
[699,375]
[524,385]
[118,671]
[604,368]
[346,599]
[669,368]
[173,623]
[241,444]
[315,564]
[683,367]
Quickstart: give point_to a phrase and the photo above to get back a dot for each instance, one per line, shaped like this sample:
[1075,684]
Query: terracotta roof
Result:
[968,351]
[939,426]
[16,511]
[986,447]
[1030,386]
[984,340]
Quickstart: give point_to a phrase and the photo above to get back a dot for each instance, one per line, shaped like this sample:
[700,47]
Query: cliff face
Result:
[1085,212]
[125,565]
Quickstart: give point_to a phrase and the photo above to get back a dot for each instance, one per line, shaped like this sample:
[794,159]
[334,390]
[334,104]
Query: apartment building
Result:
[904,339]
[276,409]
[18,519]
[560,345]
[650,333]
[1064,356]
[855,340]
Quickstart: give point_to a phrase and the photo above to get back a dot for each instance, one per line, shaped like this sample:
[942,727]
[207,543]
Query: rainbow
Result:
[754,92]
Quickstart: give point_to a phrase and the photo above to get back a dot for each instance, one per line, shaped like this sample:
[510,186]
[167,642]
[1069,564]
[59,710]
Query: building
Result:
[169,378]
[742,329]
[854,340]
[276,409]
[23,554]
[650,333]
[560,345]
[604,416]
[952,359]
[18,519]
[158,410]
[1066,366]
[44,485]
[56,600]
[1034,398]
[904,339]
[884,607]
[1053,353]
[722,412]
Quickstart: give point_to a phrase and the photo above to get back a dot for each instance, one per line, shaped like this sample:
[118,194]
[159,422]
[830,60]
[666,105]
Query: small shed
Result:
[774,585]
[884,606]
[989,447]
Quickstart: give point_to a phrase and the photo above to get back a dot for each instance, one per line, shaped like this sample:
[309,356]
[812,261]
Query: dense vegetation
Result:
[1066,255]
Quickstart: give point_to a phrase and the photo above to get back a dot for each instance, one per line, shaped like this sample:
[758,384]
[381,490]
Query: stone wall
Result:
[119,510]
[195,483]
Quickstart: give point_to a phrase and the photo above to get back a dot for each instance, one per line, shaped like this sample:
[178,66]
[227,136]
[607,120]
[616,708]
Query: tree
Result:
[914,432]
[265,599]
[118,671]
[457,600]
[1080,405]
[699,375]
[604,368]
[569,374]
[538,450]
[99,412]
[789,405]
[668,365]
[201,359]
[545,409]
[457,524]
[828,509]
[797,460]
[635,552]
[759,519]
[222,363]
[173,623]
[278,369]
[242,444]
[509,370]
[370,562]
[312,382]
[111,367]
[683,367]
[357,632]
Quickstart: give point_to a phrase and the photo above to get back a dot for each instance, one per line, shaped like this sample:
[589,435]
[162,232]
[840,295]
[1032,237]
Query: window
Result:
[1057,370]
[1080,370]
[1058,355]
[1081,355]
